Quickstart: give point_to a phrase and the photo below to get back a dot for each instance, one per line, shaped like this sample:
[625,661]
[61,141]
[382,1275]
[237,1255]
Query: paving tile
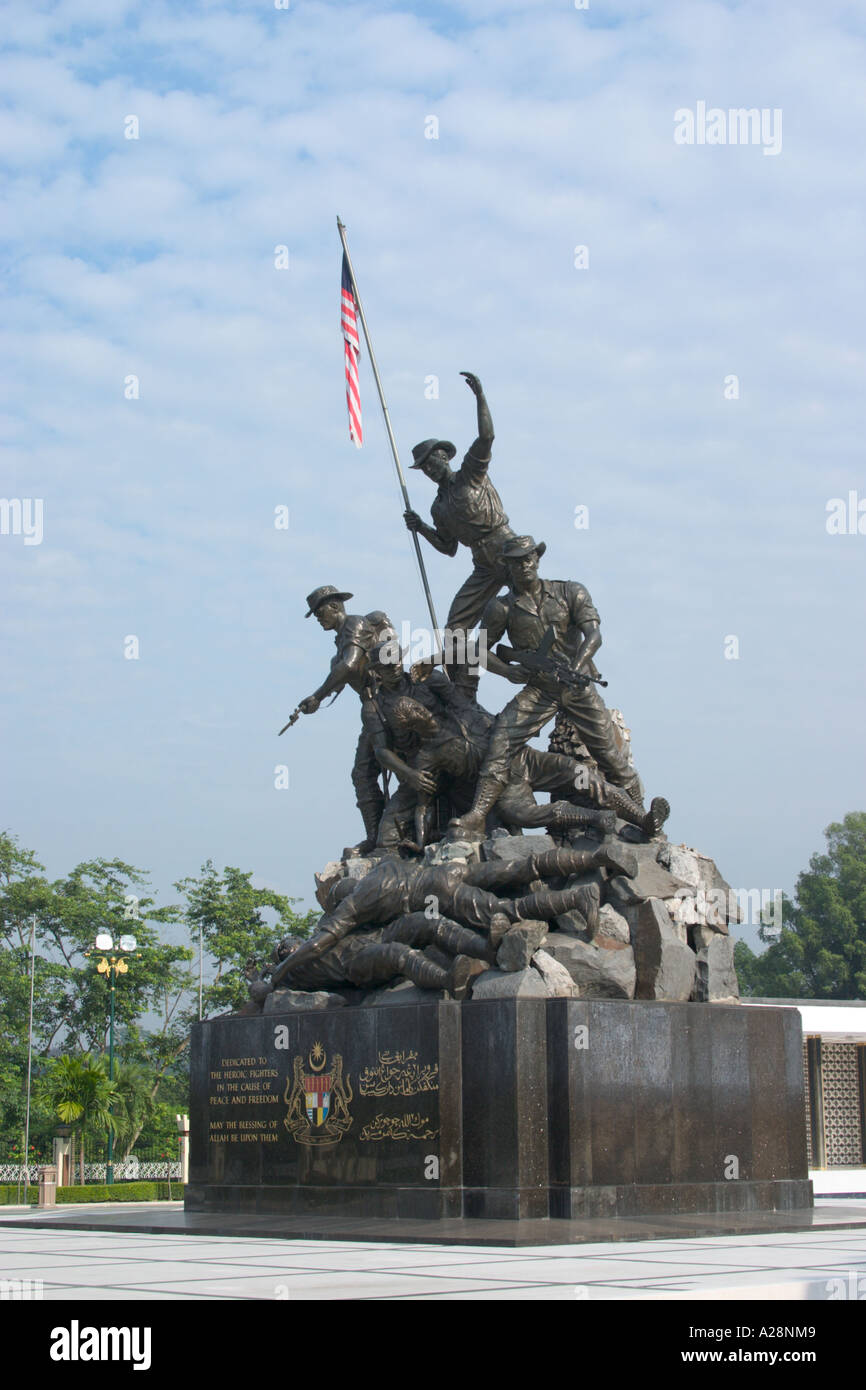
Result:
[360,1258]
[354,1285]
[108,1275]
[746,1259]
[538,1293]
[122,1266]
[576,1271]
[89,1294]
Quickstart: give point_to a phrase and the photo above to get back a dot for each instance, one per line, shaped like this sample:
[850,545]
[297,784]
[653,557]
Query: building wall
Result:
[834,1066]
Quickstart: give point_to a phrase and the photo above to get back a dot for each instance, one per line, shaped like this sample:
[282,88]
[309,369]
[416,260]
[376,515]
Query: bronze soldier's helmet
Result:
[387,653]
[519,546]
[426,447]
[318,596]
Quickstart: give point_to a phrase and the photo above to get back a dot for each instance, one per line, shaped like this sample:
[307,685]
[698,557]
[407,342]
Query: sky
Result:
[693,378]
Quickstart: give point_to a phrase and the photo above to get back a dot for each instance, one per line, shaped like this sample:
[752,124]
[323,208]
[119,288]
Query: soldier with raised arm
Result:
[467,510]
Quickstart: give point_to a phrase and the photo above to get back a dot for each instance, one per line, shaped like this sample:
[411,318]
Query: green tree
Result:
[134,1105]
[821,951]
[108,895]
[227,910]
[70,996]
[156,1001]
[100,895]
[23,891]
[159,1135]
[78,1092]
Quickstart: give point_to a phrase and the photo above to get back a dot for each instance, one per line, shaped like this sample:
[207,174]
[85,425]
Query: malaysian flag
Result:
[349,324]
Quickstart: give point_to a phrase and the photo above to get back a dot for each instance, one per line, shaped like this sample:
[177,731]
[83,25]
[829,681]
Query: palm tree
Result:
[77,1090]
[133,1104]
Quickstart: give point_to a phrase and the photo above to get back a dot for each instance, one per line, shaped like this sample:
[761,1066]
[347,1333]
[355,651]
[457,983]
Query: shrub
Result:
[120,1192]
[11,1193]
[97,1192]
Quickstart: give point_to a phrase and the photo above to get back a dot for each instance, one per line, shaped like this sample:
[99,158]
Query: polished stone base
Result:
[157,1218]
[500,1110]
[504,1204]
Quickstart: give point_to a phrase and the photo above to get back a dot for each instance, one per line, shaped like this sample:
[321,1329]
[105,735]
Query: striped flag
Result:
[351,344]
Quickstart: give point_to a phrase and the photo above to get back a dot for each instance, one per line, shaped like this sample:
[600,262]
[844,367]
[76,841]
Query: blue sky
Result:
[155,258]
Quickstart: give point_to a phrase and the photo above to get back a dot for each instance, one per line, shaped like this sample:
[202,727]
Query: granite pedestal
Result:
[506,1109]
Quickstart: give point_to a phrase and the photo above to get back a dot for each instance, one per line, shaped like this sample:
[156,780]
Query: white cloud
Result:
[155,257]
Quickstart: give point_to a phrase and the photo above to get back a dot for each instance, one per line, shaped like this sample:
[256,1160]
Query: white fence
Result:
[131,1169]
[14,1172]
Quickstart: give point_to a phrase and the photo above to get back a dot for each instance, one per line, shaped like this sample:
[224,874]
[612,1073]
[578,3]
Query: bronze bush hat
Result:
[519,546]
[426,447]
[318,596]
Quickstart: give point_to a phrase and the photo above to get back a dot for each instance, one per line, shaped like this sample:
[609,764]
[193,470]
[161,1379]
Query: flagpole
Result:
[438,644]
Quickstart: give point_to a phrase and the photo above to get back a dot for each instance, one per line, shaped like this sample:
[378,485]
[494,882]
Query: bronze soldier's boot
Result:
[426,974]
[371,814]
[461,975]
[591,906]
[462,941]
[422,807]
[588,904]
[417,929]
[374,965]
[500,923]
[564,862]
[634,788]
[494,874]
[656,816]
[487,793]
[567,815]
[550,903]
[631,811]
[585,901]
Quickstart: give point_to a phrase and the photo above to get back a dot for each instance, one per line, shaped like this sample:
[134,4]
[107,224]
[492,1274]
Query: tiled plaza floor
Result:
[73,1264]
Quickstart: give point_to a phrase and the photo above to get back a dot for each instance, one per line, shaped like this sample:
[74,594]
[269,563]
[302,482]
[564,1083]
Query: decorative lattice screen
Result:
[841,1104]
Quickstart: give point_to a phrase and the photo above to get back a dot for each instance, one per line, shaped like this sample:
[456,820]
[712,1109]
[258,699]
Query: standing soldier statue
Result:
[557,618]
[466,511]
[355,638]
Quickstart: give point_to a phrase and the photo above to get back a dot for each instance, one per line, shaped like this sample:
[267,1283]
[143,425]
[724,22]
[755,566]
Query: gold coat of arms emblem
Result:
[318,1099]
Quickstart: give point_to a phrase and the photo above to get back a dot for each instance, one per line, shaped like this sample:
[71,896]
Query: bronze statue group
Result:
[435,773]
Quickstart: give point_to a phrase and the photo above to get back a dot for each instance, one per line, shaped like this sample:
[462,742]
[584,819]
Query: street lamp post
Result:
[111,967]
[29,1060]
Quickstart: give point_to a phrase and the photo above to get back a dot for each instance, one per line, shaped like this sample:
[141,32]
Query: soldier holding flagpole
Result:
[467,510]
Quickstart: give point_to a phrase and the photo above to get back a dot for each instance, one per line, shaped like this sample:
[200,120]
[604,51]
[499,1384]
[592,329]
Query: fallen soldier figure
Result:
[378,955]
[460,891]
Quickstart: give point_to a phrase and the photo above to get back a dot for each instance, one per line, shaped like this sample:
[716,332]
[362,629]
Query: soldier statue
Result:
[466,511]
[533,610]
[437,918]
[355,637]
[433,735]
[379,954]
